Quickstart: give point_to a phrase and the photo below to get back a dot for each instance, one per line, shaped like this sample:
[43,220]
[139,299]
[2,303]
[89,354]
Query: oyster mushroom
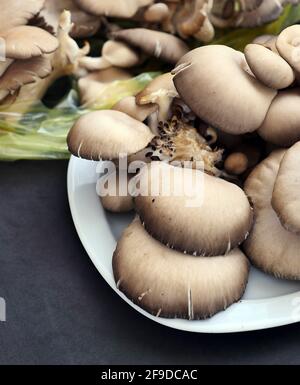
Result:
[282,123]
[119,54]
[192,211]
[161,92]
[25,42]
[225,99]
[270,246]
[285,198]
[116,8]
[268,67]
[129,106]
[167,283]
[288,45]
[107,135]
[157,13]
[84,24]
[162,45]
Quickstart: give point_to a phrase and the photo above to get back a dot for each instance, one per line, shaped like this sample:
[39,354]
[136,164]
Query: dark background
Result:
[60,310]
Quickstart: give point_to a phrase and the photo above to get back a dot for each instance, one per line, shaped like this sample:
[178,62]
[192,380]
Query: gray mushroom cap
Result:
[268,67]
[169,284]
[270,246]
[106,135]
[282,123]
[192,211]
[286,197]
[159,44]
[227,97]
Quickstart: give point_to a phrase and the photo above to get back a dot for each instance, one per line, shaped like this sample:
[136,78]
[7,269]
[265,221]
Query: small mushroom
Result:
[129,106]
[192,211]
[268,67]
[23,72]
[107,135]
[236,163]
[169,284]
[161,92]
[230,99]
[25,42]
[15,13]
[119,54]
[116,8]
[270,246]
[286,199]
[117,201]
[156,13]
[282,123]
[288,45]
[159,44]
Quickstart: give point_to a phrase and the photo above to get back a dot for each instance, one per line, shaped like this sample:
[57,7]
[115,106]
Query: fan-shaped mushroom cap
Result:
[115,8]
[159,44]
[128,106]
[119,54]
[106,135]
[18,12]
[167,283]
[25,42]
[288,45]
[270,246]
[282,123]
[192,211]
[116,202]
[23,72]
[286,197]
[268,67]
[230,98]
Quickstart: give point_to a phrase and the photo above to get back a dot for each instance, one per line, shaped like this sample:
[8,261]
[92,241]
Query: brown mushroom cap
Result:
[268,67]
[106,135]
[288,43]
[115,8]
[286,198]
[23,72]
[282,123]
[270,246]
[167,283]
[15,13]
[116,202]
[159,44]
[227,97]
[25,42]
[212,220]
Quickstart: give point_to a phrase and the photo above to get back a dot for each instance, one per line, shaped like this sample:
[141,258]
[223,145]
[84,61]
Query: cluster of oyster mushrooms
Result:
[238,115]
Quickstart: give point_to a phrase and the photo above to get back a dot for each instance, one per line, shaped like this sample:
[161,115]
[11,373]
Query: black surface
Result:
[60,311]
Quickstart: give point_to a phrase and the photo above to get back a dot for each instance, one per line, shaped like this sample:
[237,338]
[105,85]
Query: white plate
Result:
[267,303]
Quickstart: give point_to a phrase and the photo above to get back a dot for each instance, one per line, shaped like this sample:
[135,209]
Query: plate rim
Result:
[167,322]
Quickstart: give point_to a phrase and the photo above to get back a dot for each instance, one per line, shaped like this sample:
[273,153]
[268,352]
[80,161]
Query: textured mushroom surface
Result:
[268,67]
[282,123]
[270,246]
[287,44]
[192,211]
[115,8]
[227,97]
[286,194]
[25,42]
[107,135]
[159,44]
[167,283]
